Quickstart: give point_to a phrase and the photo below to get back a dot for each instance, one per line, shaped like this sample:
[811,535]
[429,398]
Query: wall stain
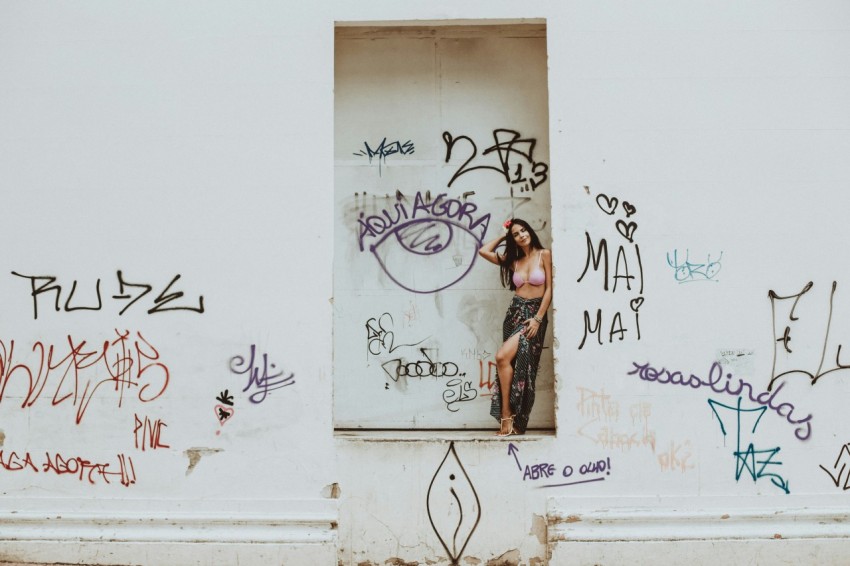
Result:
[538,528]
[331,491]
[573,519]
[2,437]
[472,560]
[537,561]
[510,558]
[195,454]
[396,561]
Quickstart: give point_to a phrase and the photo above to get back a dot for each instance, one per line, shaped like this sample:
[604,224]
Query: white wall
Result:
[195,139]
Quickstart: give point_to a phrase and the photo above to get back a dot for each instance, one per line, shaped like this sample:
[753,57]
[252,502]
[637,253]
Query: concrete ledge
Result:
[168,532]
[571,519]
[438,435]
[165,554]
[721,530]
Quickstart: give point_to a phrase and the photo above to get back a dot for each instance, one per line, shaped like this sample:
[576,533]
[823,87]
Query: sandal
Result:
[511,431]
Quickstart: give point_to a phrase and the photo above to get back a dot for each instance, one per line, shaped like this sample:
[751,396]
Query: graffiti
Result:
[380,336]
[546,470]
[15,463]
[449,493]
[748,459]
[420,368]
[624,441]
[843,458]
[597,405]
[598,257]
[486,385]
[640,412]
[716,383]
[82,469]
[608,205]
[458,391]
[425,209]
[603,427]
[224,411]
[148,434]
[265,383]
[410,315]
[475,354]
[513,451]
[524,173]
[742,360]
[384,150]
[538,471]
[426,249]
[615,329]
[675,459]
[688,272]
[604,412]
[40,284]
[785,339]
[76,376]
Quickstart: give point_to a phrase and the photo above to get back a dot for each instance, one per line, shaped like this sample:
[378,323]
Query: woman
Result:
[527,270]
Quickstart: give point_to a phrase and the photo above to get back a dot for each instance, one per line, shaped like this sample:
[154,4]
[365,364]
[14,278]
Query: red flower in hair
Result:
[507,224]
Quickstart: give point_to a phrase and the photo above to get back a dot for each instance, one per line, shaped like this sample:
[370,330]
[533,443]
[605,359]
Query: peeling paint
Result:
[538,528]
[537,561]
[573,519]
[195,454]
[2,437]
[724,516]
[396,561]
[331,491]
[510,558]
[472,560]
[777,535]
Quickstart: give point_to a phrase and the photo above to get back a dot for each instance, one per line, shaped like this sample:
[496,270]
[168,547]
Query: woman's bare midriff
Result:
[536,292]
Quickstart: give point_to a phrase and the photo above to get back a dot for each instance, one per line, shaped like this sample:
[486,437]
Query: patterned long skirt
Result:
[521,395]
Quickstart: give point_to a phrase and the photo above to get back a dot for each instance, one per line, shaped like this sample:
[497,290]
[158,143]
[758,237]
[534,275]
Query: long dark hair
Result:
[513,252]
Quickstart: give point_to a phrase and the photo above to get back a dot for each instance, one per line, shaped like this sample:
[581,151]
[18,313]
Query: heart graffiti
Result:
[626,230]
[636,303]
[223,413]
[606,204]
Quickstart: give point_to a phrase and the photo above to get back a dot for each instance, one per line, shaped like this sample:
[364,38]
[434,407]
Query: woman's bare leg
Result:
[504,360]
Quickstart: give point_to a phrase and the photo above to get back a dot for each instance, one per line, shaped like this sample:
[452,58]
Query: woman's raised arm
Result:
[488,250]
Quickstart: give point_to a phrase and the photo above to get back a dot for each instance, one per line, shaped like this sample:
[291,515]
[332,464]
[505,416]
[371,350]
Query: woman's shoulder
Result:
[545,253]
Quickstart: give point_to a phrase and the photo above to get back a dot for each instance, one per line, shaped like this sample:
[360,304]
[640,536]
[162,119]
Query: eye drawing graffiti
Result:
[422,254]
[431,248]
